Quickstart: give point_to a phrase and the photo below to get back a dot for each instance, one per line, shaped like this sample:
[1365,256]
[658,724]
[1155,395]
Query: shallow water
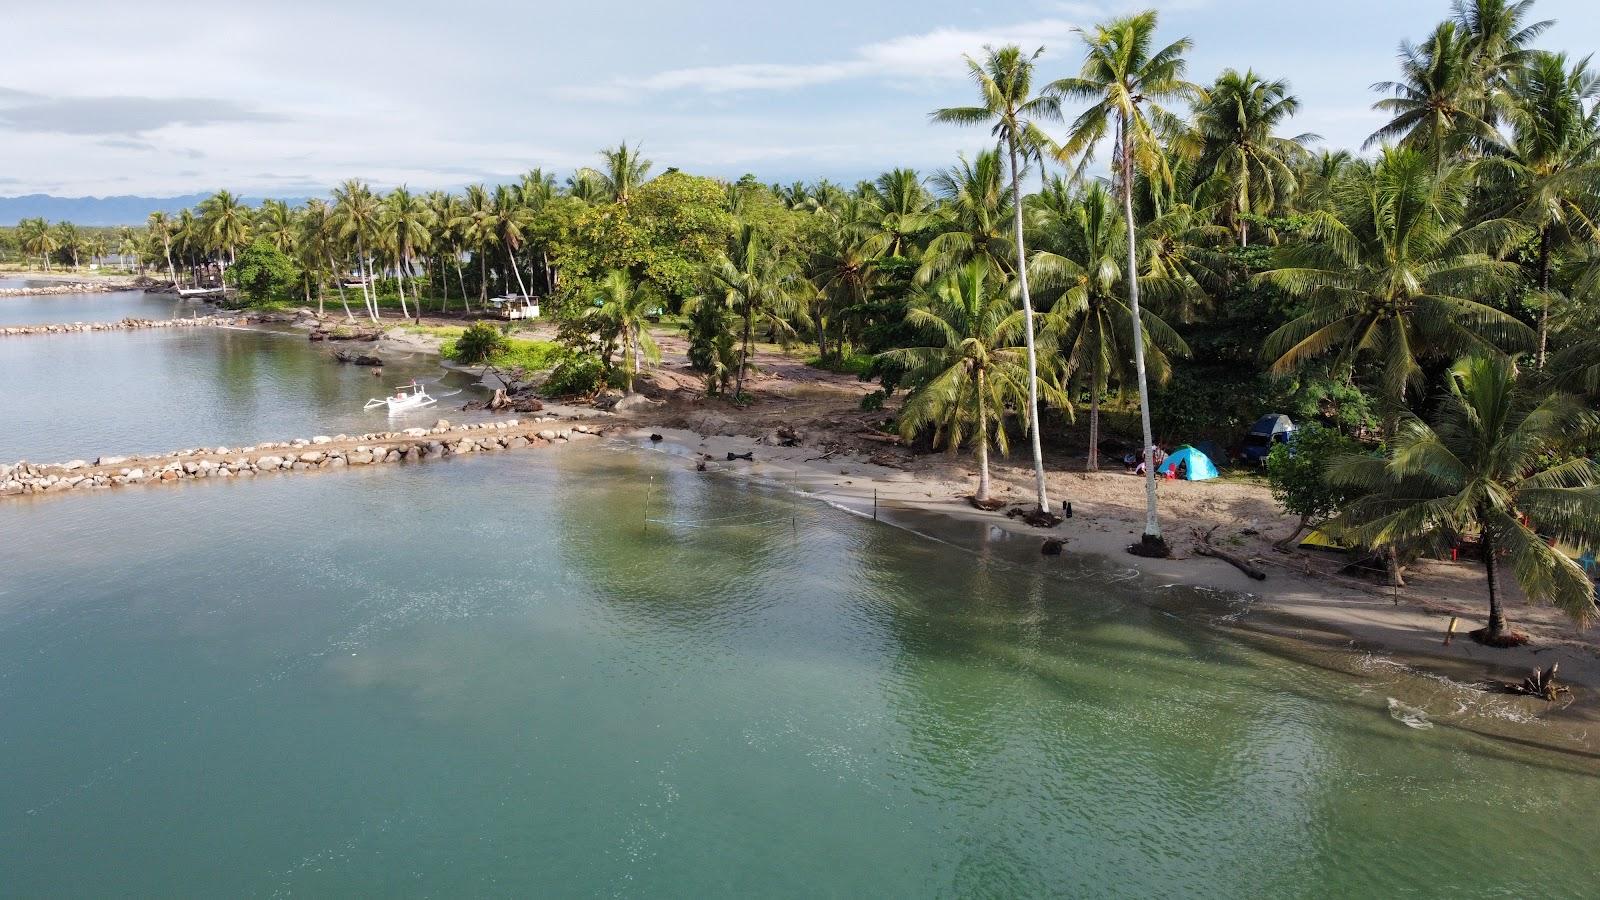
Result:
[594,672]
[112,306]
[118,392]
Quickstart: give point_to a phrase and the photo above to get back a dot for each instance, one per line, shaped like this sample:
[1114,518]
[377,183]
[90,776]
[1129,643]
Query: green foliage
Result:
[478,344]
[1297,473]
[665,234]
[264,273]
[576,375]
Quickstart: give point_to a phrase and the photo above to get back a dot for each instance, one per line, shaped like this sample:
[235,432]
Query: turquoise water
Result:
[82,395]
[493,676]
[113,306]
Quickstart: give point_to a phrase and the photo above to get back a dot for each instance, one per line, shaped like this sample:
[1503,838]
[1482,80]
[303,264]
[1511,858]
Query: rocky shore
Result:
[301,455]
[69,287]
[130,324]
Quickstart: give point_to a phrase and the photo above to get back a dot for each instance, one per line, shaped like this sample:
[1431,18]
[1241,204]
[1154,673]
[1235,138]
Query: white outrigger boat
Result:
[405,398]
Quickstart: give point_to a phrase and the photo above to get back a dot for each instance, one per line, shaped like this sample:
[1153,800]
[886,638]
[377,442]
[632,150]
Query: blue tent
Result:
[1196,465]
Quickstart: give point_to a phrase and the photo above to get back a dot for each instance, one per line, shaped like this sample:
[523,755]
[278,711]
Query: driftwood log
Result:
[1204,547]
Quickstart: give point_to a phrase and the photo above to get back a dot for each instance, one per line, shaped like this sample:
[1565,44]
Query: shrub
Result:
[479,344]
[578,375]
[262,273]
[1297,474]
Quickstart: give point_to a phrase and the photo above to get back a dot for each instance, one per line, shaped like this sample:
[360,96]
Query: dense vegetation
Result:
[1221,270]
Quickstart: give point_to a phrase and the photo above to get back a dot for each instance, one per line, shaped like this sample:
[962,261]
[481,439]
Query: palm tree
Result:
[1438,106]
[1498,38]
[622,172]
[972,371]
[975,220]
[321,234]
[38,237]
[1391,275]
[275,224]
[841,267]
[477,228]
[69,239]
[1316,175]
[510,218]
[625,308]
[447,210]
[1079,266]
[1235,127]
[1483,467]
[1549,168]
[225,227]
[902,209]
[758,282]
[408,223]
[1127,84]
[356,216]
[1005,89]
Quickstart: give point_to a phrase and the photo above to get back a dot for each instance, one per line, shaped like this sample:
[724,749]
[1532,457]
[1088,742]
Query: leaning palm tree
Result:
[971,371]
[757,282]
[624,308]
[1007,104]
[1236,127]
[1391,277]
[1548,170]
[1127,83]
[1484,467]
[1079,267]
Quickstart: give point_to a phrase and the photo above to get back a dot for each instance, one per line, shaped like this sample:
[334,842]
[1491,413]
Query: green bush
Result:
[578,375]
[263,274]
[1297,474]
[479,344]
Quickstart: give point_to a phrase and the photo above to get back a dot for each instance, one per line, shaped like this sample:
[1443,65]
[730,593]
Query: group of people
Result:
[1135,462]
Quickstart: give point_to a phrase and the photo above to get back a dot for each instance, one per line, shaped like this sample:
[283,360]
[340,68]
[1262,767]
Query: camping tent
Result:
[1196,465]
[1268,430]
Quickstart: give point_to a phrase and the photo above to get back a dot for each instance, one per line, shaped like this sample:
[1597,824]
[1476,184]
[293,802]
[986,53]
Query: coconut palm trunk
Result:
[1497,613]
[339,283]
[1093,463]
[982,495]
[1027,319]
[516,270]
[461,279]
[400,276]
[1152,521]
[744,350]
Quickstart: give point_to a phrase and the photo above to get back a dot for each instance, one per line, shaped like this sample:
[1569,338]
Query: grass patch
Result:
[857,364]
[535,356]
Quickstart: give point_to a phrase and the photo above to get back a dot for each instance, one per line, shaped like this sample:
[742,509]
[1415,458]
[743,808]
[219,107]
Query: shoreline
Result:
[1328,625]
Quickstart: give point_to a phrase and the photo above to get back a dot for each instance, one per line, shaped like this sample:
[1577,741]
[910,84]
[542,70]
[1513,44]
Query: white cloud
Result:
[932,54]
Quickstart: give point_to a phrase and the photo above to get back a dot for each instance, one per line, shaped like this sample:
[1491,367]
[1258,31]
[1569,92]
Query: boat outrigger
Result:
[406,397]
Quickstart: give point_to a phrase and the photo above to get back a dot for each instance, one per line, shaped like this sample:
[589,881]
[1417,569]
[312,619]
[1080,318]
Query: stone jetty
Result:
[314,454]
[130,324]
[74,287]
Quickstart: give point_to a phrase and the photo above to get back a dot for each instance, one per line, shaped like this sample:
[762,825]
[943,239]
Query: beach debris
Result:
[356,359]
[1038,518]
[1204,547]
[1053,546]
[1542,684]
[788,437]
[990,505]
[656,438]
[886,460]
[747,457]
[1409,716]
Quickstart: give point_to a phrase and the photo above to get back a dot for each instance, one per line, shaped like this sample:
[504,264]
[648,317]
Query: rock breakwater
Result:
[130,324]
[301,455]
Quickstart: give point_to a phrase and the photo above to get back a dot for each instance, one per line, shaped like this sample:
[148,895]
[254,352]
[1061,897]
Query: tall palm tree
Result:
[1127,81]
[757,282]
[477,226]
[319,236]
[356,216]
[1548,170]
[1236,129]
[510,219]
[1499,38]
[1438,105]
[841,267]
[225,226]
[625,308]
[971,371]
[409,223]
[1007,104]
[70,240]
[447,210]
[1483,466]
[275,224]
[38,238]
[1391,276]
[1317,174]
[1079,264]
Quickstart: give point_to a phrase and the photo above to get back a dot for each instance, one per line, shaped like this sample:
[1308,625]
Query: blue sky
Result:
[172,96]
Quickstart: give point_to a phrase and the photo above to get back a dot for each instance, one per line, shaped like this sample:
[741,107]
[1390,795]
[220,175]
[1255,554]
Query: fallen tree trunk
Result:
[1204,547]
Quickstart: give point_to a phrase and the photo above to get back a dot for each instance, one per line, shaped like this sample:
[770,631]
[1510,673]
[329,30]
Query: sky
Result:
[291,97]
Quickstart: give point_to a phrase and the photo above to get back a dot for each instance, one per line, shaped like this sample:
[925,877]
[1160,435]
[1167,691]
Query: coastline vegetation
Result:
[1430,304]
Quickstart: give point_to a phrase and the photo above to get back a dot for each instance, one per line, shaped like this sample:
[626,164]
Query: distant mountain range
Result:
[126,210]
